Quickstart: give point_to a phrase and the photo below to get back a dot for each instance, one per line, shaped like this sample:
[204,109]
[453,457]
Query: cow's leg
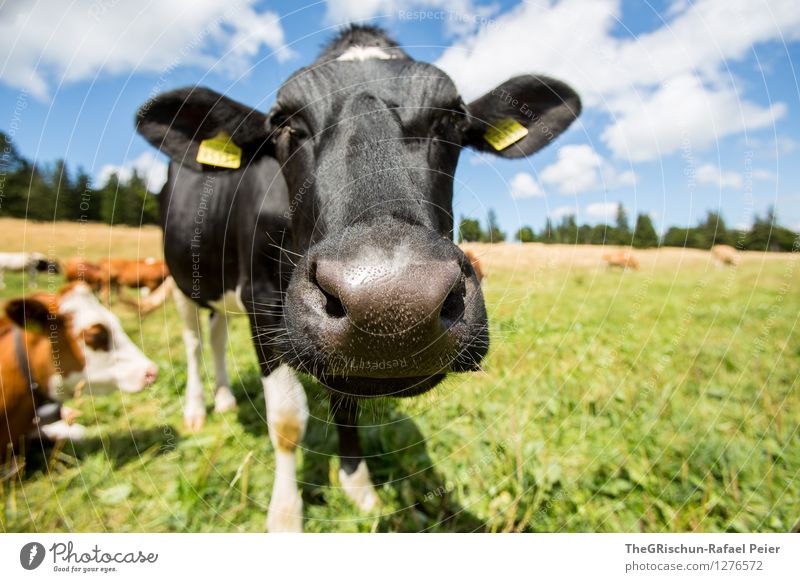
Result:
[287,415]
[2,281]
[32,274]
[194,409]
[353,474]
[218,332]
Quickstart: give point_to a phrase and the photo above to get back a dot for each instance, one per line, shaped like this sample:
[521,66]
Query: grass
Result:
[664,399]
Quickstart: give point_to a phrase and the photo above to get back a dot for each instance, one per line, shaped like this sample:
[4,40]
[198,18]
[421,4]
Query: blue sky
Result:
[689,106]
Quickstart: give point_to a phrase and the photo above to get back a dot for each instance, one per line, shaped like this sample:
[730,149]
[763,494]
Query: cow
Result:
[147,274]
[623,259]
[119,274]
[32,263]
[725,255]
[80,269]
[53,344]
[328,222]
[109,275]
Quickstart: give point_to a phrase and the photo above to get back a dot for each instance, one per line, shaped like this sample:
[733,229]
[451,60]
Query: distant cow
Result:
[623,259]
[144,273]
[52,343]
[472,257]
[725,254]
[109,275]
[33,263]
[79,269]
[328,221]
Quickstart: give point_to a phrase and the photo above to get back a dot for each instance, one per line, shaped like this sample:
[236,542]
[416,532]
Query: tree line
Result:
[49,192]
[764,235]
[52,191]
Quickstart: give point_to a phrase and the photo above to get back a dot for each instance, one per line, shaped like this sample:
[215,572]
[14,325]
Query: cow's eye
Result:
[97,337]
[285,125]
[451,124]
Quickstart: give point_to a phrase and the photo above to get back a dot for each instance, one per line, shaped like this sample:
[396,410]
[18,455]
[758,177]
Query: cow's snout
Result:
[385,311]
[150,374]
[412,303]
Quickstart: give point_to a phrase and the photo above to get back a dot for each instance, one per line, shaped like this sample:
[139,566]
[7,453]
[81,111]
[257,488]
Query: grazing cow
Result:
[141,274]
[33,263]
[52,343]
[472,257]
[725,254]
[328,221]
[622,259]
[119,274]
[114,274]
[79,269]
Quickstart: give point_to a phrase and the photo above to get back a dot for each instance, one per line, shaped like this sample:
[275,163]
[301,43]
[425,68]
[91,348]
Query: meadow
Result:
[663,399]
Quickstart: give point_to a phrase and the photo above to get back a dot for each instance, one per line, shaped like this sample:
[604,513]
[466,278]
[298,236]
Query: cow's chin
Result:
[360,387]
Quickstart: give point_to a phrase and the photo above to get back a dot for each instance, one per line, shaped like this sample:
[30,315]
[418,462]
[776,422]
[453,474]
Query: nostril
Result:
[453,306]
[150,375]
[333,306]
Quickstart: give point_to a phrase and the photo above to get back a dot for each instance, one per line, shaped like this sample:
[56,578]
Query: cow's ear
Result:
[29,313]
[178,122]
[522,115]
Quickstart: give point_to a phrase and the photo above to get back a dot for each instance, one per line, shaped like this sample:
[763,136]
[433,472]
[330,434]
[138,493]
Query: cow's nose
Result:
[150,374]
[405,302]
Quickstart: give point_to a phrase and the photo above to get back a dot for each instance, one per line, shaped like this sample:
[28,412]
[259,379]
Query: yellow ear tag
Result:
[220,151]
[504,133]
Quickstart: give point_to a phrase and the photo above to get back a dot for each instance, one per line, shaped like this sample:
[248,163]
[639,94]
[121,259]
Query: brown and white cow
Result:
[52,343]
[80,269]
[109,275]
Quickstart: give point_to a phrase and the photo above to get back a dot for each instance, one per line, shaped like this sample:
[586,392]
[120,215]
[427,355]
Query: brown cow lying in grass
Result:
[623,259]
[725,254]
[52,345]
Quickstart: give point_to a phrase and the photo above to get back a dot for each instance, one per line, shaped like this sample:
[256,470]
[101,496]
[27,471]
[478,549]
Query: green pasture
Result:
[664,399]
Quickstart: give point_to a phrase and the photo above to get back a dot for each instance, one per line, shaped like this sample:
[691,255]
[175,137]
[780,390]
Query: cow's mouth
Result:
[384,311]
[386,387]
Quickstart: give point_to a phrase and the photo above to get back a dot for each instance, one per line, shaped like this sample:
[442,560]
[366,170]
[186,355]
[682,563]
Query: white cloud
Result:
[659,87]
[764,175]
[147,165]
[682,113]
[48,42]
[579,168]
[602,211]
[711,174]
[523,185]
[562,211]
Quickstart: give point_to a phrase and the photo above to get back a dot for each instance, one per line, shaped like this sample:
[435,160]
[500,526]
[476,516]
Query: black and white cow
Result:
[32,263]
[335,235]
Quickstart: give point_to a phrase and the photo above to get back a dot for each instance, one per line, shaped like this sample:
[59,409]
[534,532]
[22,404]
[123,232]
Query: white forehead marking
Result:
[365,53]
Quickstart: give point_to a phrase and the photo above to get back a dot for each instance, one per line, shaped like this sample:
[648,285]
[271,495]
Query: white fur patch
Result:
[365,53]
[60,388]
[123,366]
[286,406]
[230,303]
[359,488]
[62,431]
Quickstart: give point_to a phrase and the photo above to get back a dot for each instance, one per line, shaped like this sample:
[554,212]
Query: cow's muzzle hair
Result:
[385,309]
